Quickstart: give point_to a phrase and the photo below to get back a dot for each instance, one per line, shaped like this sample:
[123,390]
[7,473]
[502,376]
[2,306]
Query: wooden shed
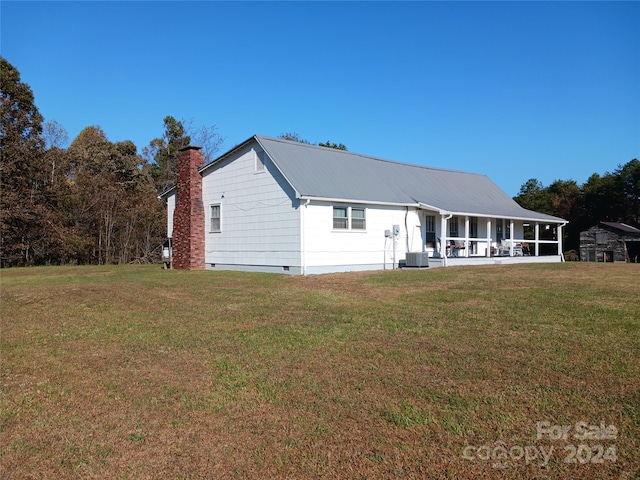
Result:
[610,242]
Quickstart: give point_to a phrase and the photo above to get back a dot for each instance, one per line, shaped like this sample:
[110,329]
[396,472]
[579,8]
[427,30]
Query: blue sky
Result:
[513,90]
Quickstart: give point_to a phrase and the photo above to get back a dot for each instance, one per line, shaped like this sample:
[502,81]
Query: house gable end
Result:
[256,212]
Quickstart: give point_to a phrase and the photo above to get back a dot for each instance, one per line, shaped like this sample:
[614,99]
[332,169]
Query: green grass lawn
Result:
[135,372]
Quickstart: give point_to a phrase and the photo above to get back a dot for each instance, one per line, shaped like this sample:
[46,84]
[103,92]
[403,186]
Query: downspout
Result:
[560,242]
[303,250]
[406,226]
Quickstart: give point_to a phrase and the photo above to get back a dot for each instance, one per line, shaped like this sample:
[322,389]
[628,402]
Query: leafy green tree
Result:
[89,136]
[566,199]
[162,152]
[115,209]
[23,215]
[567,202]
[534,196]
[293,137]
[628,181]
[613,197]
[337,146]
[601,198]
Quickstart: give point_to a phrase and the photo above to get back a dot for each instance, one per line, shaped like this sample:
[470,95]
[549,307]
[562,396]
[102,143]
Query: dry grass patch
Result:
[135,372]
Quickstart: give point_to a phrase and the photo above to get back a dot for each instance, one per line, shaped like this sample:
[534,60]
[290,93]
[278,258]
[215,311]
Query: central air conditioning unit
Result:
[417,259]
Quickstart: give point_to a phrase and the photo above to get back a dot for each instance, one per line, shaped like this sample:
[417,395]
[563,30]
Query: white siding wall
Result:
[260,224]
[328,249]
[171,206]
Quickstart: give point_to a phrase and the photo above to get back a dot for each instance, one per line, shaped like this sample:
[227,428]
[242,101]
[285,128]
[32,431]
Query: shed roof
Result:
[623,227]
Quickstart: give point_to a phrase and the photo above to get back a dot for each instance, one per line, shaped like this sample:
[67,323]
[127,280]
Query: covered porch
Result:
[466,239]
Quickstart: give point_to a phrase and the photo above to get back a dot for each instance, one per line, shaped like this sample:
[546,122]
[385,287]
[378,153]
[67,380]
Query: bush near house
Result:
[135,372]
[571,256]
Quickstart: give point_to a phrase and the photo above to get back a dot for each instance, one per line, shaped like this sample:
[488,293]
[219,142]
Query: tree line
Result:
[93,202]
[613,196]
[96,201]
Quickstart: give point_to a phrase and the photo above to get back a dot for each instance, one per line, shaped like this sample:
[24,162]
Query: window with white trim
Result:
[349,218]
[358,219]
[340,218]
[453,226]
[473,227]
[499,230]
[430,223]
[215,218]
[430,230]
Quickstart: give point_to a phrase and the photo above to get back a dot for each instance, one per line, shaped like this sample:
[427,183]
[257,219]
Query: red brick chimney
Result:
[188,216]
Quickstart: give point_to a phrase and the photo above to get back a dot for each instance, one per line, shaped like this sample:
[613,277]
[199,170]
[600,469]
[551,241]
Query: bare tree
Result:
[55,135]
[55,138]
[206,137]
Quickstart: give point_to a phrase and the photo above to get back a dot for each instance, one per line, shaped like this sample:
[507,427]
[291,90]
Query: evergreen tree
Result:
[23,216]
[162,152]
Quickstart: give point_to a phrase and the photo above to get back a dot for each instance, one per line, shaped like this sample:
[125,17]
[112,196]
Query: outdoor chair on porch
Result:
[454,247]
[505,249]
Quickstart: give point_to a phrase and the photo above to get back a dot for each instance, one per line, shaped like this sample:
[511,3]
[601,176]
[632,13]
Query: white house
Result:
[280,206]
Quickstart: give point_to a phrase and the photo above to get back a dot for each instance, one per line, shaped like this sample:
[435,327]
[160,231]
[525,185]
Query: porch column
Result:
[443,238]
[488,237]
[511,238]
[560,240]
[537,237]
[466,236]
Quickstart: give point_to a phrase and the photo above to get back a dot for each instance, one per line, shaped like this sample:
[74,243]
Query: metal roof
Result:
[327,173]
[339,175]
[621,226]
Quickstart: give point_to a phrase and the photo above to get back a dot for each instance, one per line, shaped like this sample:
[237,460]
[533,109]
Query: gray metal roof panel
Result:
[621,226]
[329,173]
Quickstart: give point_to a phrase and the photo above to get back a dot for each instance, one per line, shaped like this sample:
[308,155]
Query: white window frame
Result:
[454,226]
[473,227]
[430,230]
[499,229]
[361,222]
[341,219]
[347,223]
[430,223]
[212,227]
